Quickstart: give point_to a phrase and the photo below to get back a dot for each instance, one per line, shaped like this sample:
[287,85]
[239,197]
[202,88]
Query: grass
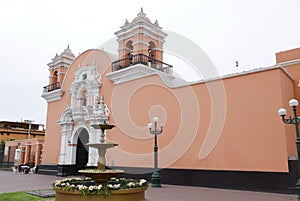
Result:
[20,196]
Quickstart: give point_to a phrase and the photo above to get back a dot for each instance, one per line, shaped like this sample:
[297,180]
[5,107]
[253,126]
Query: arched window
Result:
[128,53]
[152,55]
[84,98]
[53,81]
[129,48]
[152,50]
[54,77]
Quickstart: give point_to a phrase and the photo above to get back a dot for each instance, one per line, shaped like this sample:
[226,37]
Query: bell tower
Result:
[58,67]
[141,36]
[140,51]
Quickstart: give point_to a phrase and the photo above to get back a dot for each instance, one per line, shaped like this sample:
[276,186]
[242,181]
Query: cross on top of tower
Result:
[141,13]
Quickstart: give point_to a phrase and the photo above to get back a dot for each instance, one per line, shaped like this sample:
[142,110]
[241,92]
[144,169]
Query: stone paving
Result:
[24,182]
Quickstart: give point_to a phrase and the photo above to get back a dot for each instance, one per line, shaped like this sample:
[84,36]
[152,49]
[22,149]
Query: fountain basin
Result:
[134,194]
[102,146]
[103,126]
[99,176]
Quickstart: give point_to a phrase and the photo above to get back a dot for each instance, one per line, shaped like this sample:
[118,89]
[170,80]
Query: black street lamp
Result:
[155,178]
[293,120]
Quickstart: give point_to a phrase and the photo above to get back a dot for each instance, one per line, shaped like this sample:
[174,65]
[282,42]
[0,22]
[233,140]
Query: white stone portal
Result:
[86,108]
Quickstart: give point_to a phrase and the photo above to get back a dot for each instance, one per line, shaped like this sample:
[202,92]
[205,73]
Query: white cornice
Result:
[63,56]
[53,95]
[139,71]
[129,33]
[159,49]
[54,64]
[129,73]
[124,48]
[140,42]
[141,24]
[288,63]
[58,66]
[257,70]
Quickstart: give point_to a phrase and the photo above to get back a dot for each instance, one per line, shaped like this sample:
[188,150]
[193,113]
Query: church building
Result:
[217,132]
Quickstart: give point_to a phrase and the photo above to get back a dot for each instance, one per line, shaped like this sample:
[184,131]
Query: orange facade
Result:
[252,132]
[228,124]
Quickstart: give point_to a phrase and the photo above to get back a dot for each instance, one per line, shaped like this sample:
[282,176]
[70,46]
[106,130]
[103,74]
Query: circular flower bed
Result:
[87,186]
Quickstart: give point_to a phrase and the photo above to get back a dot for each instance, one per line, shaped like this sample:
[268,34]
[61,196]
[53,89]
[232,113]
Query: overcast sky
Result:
[33,31]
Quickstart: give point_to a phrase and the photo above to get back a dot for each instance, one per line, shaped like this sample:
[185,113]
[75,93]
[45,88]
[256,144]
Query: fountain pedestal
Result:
[101,175]
[102,147]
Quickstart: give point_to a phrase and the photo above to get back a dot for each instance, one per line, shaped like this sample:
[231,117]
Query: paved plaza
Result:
[23,182]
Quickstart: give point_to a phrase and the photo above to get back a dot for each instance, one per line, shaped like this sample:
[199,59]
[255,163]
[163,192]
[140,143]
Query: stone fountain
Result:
[101,175]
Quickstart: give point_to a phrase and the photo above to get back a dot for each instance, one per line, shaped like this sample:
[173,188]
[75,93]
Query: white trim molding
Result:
[140,42]
[53,95]
[139,71]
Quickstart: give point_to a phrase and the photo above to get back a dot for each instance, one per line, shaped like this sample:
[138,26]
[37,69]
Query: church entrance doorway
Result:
[82,153]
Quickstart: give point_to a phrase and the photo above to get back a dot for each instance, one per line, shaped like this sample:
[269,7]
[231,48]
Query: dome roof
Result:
[141,16]
[68,52]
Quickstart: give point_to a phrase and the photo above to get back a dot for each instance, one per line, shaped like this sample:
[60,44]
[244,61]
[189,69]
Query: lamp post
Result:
[155,178]
[295,121]
[29,128]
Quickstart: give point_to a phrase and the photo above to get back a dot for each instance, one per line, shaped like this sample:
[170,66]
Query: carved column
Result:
[65,132]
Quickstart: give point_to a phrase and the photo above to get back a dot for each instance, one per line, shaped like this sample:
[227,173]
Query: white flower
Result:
[130,184]
[99,187]
[80,187]
[142,181]
[115,186]
[91,188]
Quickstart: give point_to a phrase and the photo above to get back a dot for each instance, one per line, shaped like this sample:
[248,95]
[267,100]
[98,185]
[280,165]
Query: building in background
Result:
[22,143]
[221,132]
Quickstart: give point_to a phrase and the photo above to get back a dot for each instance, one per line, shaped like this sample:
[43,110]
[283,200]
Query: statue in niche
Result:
[99,78]
[106,110]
